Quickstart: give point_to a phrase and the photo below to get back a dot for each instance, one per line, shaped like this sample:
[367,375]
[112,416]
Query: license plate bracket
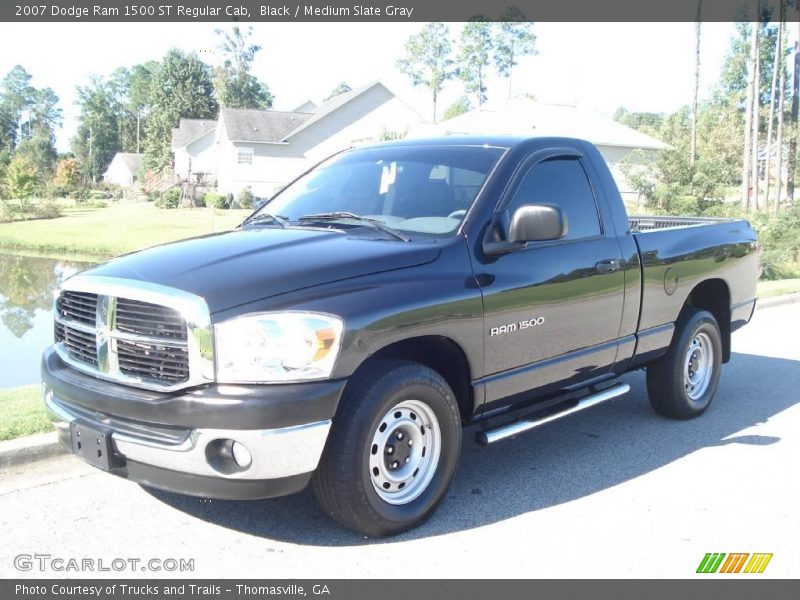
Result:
[92,443]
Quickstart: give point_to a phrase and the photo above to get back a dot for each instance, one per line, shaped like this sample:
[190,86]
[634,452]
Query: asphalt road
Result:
[612,492]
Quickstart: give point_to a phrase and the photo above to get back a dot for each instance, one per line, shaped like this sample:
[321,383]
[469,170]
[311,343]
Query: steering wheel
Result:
[457,213]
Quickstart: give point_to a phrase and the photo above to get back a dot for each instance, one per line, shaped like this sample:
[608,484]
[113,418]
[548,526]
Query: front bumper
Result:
[182,449]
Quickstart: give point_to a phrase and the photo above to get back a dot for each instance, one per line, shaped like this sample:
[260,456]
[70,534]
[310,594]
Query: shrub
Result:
[46,210]
[169,199]
[245,199]
[58,190]
[215,200]
[6,212]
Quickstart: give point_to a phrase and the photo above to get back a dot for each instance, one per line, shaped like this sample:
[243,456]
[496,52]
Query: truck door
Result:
[552,309]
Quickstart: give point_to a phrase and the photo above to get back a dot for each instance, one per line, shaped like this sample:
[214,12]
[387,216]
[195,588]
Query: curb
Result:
[29,449]
[43,446]
[774,301]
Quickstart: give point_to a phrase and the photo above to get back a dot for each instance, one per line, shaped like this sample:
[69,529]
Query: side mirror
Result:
[536,223]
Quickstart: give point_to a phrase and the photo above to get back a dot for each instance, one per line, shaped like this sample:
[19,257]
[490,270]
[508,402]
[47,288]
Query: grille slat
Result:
[77,306]
[159,363]
[143,318]
[154,361]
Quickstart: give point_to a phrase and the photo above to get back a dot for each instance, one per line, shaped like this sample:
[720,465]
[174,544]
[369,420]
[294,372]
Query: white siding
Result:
[118,173]
[200,156]
[360,121]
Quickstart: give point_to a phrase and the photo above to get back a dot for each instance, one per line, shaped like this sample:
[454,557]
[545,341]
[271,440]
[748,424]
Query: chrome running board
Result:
[506,431]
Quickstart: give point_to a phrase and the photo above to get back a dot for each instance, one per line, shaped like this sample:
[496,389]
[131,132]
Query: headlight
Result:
[277,347]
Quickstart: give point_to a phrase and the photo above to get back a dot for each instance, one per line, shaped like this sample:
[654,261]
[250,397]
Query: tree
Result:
[459,107]
[21,179]
[427,61]
[67,172]
[17,96]
[751,100]
[139,80]
[236,86]
[514,38]
[793,117]
[37,132]
[473,58]
[697,31]
[777,66]
[97,138]
[342,88]
[182,88]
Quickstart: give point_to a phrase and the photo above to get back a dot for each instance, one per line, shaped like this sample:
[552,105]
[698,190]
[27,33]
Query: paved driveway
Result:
[612,492]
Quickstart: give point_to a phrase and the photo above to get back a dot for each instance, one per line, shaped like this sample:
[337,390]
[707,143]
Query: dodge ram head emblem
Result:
[518,326]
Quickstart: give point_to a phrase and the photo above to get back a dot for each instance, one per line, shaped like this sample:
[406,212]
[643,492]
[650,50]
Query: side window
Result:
[563,183]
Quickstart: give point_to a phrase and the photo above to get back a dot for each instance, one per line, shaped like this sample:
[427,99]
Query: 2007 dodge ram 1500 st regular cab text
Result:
[349,328]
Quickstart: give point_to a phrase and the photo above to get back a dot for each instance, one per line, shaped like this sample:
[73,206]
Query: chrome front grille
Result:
[77,307]
[80,345]
[153,361]
[143,318]
[137,334]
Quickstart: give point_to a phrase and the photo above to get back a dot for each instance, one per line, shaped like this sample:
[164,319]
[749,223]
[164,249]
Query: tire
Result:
[398,427]
[682,382]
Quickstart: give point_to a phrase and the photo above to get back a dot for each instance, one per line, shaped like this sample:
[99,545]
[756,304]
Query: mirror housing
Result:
[536,223]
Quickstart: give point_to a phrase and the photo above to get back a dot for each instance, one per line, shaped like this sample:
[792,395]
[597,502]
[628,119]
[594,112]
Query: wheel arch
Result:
[440,354]
[714,296]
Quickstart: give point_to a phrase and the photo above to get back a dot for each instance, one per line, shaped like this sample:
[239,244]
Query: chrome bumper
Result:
[276,453]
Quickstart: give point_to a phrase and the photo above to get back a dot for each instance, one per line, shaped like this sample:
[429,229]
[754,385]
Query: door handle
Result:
[609,266]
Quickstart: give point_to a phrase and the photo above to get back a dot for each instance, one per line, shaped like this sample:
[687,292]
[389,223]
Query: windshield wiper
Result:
[263,216]
[374,223]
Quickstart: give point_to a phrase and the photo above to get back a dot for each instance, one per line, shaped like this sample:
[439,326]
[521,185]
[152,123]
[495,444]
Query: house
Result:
[195,150]
[124,169]
[265,149]
[522,116]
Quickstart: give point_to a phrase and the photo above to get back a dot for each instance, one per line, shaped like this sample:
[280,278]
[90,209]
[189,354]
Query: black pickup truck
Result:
[349,329]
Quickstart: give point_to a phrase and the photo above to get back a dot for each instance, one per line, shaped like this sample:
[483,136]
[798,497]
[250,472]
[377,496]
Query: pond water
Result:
[27,284]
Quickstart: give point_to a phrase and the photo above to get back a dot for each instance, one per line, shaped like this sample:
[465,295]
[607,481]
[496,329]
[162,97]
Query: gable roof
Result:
[130,160]
[260,126]
[308,106]
[521,116]
[337,101]
[189,130]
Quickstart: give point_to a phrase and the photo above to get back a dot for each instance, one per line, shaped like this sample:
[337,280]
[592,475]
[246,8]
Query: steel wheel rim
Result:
[698,366]
[404,452]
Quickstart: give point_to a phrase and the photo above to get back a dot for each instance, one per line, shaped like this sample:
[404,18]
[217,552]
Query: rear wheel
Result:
[682,383]
[392,451]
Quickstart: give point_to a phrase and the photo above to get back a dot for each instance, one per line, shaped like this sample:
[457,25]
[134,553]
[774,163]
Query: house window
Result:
[244,156]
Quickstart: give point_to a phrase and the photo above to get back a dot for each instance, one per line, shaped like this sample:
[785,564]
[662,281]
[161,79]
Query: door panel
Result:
[552,310]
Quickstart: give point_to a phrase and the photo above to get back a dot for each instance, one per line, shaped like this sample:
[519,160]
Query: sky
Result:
[597,66]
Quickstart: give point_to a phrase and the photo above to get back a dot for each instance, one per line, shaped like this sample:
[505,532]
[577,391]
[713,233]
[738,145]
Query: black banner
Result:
[227,589]
[374,11]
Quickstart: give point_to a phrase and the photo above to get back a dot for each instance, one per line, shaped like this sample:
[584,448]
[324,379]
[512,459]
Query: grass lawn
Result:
[114,230]
[22,412]
[777,288]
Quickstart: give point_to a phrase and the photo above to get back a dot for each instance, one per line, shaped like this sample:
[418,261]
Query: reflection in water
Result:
[26,299]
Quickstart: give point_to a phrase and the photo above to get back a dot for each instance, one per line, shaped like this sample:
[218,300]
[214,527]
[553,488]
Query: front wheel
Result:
[682,383]
[392,451]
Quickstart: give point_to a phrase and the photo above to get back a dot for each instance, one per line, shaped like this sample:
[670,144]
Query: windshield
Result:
[415,189]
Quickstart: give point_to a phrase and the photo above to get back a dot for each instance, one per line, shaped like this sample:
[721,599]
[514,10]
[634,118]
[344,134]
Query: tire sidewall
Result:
[403,516]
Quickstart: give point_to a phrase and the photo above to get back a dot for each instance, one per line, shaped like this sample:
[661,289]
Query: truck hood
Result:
[245,265]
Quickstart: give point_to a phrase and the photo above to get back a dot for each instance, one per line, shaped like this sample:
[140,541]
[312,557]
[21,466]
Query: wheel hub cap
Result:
[404,452]
[698,366]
